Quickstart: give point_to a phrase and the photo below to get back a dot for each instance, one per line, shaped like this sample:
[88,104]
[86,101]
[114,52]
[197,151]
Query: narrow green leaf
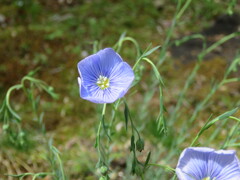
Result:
[95,47]
[96,143]
[150,51]
[133,171]
[227,114]
[126,115]
[221,117]
[187,38]
[13,113]
[132,148]
[123,35]
[55,150]
[17,176]
[147,160]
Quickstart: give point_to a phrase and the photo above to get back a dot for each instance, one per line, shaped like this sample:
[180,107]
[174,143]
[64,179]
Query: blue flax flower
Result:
[104,77]
[201,163]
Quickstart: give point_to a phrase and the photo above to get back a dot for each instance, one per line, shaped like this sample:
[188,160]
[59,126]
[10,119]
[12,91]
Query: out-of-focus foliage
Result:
[54,35]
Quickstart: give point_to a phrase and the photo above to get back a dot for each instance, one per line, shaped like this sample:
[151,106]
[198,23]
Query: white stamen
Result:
[103,82]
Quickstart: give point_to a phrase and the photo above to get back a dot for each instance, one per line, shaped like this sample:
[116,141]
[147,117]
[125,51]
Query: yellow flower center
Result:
[103,82]
[208,178]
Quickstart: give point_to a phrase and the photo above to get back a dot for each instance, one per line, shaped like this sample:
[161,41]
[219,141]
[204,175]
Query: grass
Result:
[55,37]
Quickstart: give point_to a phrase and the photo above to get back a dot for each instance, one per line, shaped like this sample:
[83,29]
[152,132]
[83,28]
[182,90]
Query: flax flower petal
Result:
[198,163]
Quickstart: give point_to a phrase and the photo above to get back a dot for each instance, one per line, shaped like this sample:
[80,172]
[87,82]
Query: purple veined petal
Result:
[85,94]
[100,96]
[97,95]
[192,164]
[198,163]
[92,93]
[89,69]
[229,165]
[121,78]
[111,95]
[108,60]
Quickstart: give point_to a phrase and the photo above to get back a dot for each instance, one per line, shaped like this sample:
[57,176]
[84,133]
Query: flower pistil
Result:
[103,82]
[206,178]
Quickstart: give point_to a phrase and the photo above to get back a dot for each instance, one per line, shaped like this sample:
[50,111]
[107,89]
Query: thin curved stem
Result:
[168,168]
[17,87]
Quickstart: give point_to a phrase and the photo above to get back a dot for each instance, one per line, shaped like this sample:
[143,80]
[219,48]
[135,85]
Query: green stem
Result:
[234,145]
[231,80]
[168,168]
[41,174]
[17,87]
[207,125]
[232,132]
[193,75]
[114,113]
[98,141]
[185,6]
[104,109]
[133,126]
[234,118]
[169,35]
[114,110]
[56,153]
[135,65]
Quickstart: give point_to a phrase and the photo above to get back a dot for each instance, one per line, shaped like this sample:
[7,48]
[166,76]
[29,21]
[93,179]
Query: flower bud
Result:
[5,126]
[103,178]
[104,170]
[140,145]
[138,170]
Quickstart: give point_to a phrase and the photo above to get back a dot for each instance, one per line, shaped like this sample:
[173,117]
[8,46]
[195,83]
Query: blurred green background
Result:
[53,35]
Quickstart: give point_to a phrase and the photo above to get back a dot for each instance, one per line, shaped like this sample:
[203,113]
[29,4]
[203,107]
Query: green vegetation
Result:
[179,98]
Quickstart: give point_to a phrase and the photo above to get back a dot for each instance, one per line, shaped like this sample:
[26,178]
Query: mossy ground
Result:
[55,36]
